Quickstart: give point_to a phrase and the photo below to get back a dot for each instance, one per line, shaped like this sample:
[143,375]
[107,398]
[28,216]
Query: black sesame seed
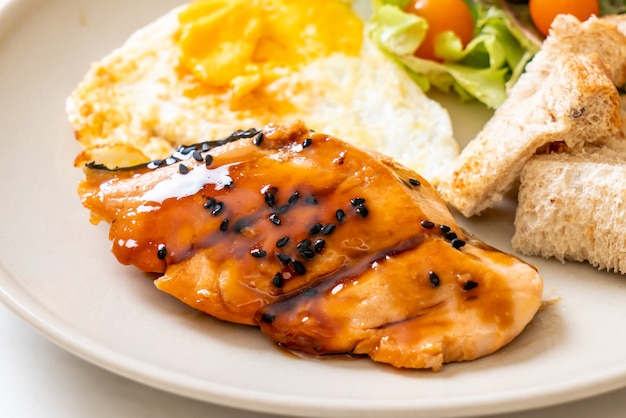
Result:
[240,133]
[208,160]
[282,209]
[315,229]
[274,219]
[319,245]
[340,215]
[278,280]
[357,201]
[224,225]
[270,198]
[183,169]
[311,200]
[457,243]
[283,258]
[307,143]
[427,224]
[450,236]
[305,243]
[186,150]
[217,209]
[414,182]
[197,155]
[258,253]
[161,251]
[299,267]
[434,279]
[328,229]
[469,285]
[268,318]
[444,229]
[258,139]
[282,242]
[307,253]
[210,203]
[362,211]
[154,164]
[294,198]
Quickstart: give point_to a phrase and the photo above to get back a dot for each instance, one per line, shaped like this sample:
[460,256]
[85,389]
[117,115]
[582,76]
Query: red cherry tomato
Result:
[442,15]
[543,12]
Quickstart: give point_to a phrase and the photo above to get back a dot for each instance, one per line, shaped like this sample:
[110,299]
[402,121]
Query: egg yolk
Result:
[242,43]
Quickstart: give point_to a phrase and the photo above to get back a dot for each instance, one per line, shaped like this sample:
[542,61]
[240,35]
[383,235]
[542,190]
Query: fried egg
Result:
[209,68]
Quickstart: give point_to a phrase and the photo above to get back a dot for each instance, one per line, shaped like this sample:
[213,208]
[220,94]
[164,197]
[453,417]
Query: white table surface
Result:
[40,380]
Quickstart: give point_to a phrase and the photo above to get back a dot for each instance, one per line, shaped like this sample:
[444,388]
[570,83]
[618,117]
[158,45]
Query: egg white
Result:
[138,98]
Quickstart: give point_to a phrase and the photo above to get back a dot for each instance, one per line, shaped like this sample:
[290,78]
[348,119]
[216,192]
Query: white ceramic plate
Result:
[56,271]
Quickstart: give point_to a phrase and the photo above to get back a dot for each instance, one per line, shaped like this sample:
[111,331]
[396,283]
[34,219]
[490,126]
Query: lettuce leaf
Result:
[482,70]
[608,7]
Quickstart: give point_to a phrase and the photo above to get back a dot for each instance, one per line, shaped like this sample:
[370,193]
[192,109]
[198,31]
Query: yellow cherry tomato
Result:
[543,12]
[442,16]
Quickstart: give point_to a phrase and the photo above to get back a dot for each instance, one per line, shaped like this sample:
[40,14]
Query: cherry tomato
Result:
[543,12]
[442,15]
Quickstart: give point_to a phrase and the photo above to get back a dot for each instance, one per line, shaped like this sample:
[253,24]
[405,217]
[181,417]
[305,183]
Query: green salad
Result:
[504,41]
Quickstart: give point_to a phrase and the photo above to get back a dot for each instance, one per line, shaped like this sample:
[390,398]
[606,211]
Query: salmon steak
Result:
[328,248]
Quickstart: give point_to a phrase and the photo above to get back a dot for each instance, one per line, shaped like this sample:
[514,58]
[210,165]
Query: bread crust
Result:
[602,36]
[572,203]
[572,207]
[567,96]
[576,103]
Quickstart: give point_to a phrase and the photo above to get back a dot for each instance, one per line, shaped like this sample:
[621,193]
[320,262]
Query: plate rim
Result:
[62,334]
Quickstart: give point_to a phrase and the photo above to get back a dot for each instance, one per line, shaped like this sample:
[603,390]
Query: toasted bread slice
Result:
[545,106]
[575,104]
[603,36]
[572,207]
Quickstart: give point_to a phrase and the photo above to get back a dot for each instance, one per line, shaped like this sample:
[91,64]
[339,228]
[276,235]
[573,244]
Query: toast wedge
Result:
[576,103]
[567,96]
[573,207]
